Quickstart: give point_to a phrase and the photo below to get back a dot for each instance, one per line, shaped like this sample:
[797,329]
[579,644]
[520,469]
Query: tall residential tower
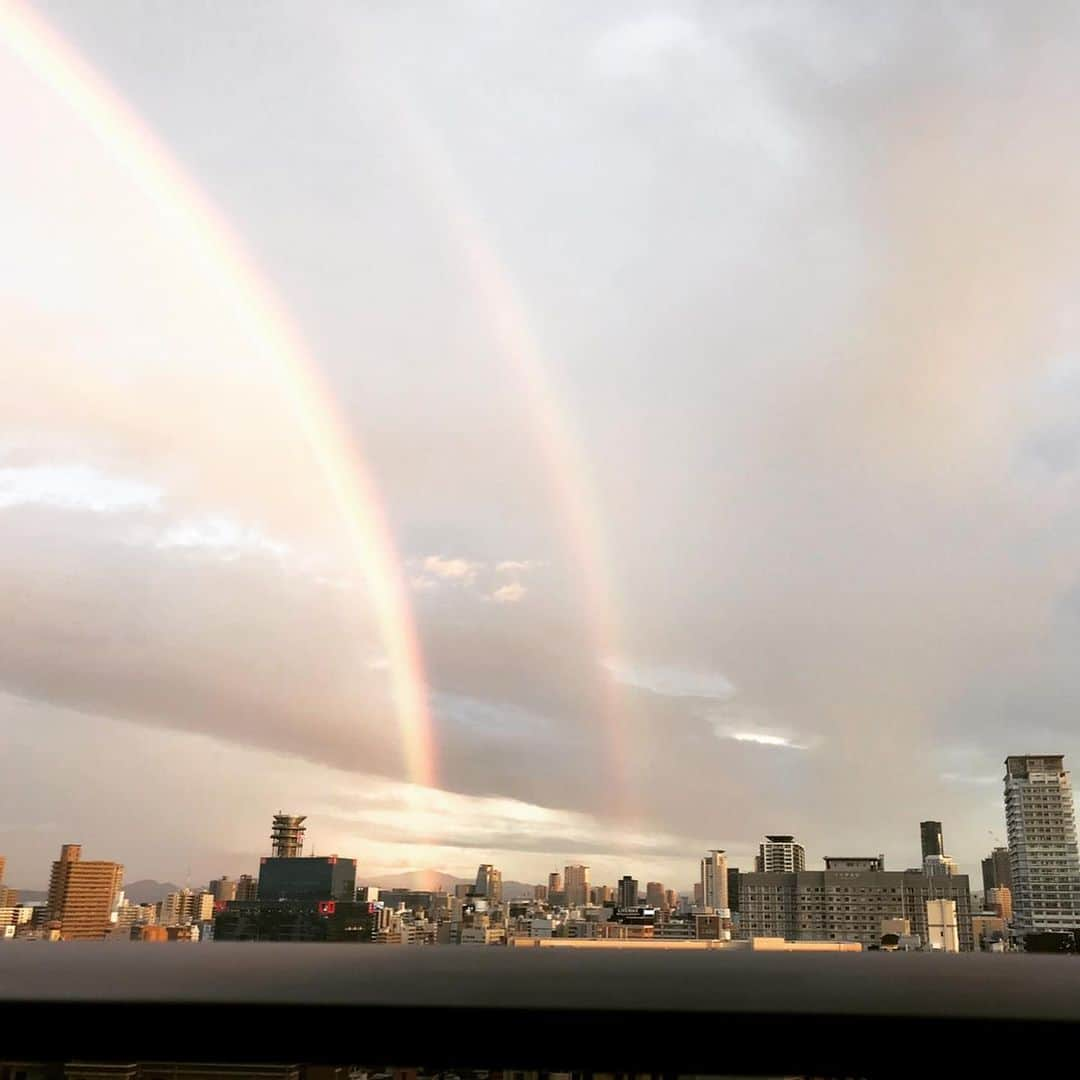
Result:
[1044,864]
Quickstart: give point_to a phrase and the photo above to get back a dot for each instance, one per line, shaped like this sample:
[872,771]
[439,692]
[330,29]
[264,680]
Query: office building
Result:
[576,885]
[931,837]
[287,836]
[655,896]
[733,889]
[847,901]
[996,872]
[937,865]
[1044,864]
[247,887]
[315,877]
[223,889]
[714,894]
[671,898]
[289,920]
[779,855]
[627,892]
[488,883]
[82,894]
[999,901]
[8,897]
[540,893]
[942,932]
[555,883]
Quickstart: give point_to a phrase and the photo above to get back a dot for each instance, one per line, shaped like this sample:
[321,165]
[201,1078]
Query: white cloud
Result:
[509,594]
[222,536]
[456,569]
[75,487]
[515,566]
[671,681]
[763,738]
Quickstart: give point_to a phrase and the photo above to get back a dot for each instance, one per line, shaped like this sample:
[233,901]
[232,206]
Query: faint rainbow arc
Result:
[128,138]
[564,461]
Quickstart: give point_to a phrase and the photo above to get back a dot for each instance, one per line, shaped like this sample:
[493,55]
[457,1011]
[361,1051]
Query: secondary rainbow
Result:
[128,138]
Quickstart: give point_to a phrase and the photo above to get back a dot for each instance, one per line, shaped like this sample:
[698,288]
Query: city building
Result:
[326,920]
[936,865]
[714,891]
[489,882]
[223,889]
[540,892]
[847,901]
[313,877]
[628,892]
[82,895]
[287,835]
[247,887]
[999,901]
[1044,863]
[555,882]
[671,899]
[942,932]
[991,932]
[733,889]
[576,885]
[996,871]
[779,854]
[931,837]
[655,896]
[8,897]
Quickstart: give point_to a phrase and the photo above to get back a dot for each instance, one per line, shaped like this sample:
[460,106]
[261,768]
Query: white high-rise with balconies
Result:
[714,894]
[1043,854]
[780,855]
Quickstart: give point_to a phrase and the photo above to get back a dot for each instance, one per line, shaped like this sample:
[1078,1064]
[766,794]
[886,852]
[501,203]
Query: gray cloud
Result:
[803,280]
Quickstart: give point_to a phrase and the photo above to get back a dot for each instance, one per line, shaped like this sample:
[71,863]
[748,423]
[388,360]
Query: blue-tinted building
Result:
[323,877]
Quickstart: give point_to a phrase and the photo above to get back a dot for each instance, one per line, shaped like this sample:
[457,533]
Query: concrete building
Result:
[287,835]
[996,871]
[247,887]
[931,837]
[938,865]
[555,882]
[779,855]
[848,901]
[540,893]
[627,896]
[488,883]
[223,889]
[82,895]
[576,885]
[1044,863]
[655,895]
[999,901]
[326,920]
[714,882]
[942,932]
[991,932]
[321,877]
[601,894]
[671,899]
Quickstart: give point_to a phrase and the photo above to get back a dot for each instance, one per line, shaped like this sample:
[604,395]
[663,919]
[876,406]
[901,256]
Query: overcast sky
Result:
[716,365]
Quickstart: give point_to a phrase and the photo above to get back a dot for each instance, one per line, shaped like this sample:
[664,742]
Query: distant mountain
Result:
[148,891]
[437,881]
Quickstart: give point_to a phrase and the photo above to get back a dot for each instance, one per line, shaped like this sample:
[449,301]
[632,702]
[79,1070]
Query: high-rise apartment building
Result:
[223,889]
[847,901]
[779,855]
[8,897]
[287,836]
[627,892]
[655,896]
[1044,863]
[714,892]
[931,837]
[555,883]
[996,872]
[247,887]
[82,894]
[576,880]
[488,882]
[540,892]
[671,898]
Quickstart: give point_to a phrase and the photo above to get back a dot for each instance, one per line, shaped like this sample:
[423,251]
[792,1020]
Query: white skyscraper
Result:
[781,855]
[1042,844]
[714,892]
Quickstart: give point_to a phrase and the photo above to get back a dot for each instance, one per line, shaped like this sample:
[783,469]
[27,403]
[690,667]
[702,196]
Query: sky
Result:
[534,434]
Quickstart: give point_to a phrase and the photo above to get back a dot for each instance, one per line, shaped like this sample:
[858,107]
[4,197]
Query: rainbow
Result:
[565,466]
[135,147]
